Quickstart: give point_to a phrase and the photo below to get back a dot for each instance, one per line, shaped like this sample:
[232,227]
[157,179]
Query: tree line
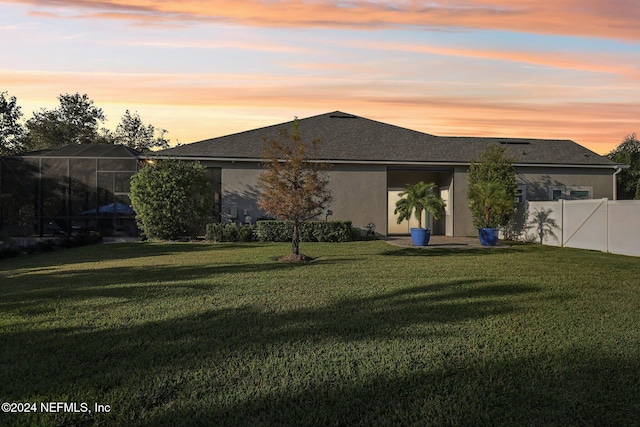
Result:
[76,120]
[628,153]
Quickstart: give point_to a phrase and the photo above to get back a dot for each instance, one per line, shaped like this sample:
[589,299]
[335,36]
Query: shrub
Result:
[217,232]
[213,232]
[492,188]
[80,240]
[274,231]
[9,250]
[230,233]
[245,234]
[310,231]
[356,234]
[171,198]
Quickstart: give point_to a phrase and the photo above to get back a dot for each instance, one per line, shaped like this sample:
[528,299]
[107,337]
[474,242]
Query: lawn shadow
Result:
[107,357]
[116,251]
[458,392]
[437,252]
[128,283]
[234,365]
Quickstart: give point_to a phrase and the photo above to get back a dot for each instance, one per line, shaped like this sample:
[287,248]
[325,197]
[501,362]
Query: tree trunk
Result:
[295,239]
[487,216]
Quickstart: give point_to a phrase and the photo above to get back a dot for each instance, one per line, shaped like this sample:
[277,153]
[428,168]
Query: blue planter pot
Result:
[488,236]
[420,236]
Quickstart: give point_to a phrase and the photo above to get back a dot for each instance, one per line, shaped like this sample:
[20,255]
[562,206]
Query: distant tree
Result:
[134,134]
[492,188]
[75,121]
[628,153]
[171,198]
[12,133]
[105,136]
[294,186]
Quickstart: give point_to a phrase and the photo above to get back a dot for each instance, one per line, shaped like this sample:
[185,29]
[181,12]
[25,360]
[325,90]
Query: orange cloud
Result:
[597,18]
[612,64]
[199,106]
[256,45]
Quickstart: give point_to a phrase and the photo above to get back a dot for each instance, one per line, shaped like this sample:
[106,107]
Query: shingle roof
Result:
[86,150]
[345,137]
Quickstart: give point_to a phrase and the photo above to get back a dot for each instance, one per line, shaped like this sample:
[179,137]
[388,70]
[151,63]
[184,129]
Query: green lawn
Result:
[367,334]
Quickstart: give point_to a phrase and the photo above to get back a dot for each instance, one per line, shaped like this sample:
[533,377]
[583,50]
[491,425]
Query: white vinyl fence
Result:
[601,224]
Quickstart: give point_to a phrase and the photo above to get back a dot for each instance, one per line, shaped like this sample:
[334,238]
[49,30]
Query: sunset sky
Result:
[556,69]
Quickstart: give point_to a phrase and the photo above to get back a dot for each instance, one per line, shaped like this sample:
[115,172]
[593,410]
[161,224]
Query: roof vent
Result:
[342,116]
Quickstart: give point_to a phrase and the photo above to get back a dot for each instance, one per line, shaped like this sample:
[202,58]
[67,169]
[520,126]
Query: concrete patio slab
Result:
[443,242]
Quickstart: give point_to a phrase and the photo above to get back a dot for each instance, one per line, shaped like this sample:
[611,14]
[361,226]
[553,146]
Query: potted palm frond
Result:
[489,202]
[415,199]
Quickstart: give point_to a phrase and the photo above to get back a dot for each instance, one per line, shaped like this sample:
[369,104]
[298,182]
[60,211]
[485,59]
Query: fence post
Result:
[563,223]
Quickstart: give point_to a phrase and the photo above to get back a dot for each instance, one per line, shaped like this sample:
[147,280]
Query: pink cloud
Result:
[612,64]
[594,18]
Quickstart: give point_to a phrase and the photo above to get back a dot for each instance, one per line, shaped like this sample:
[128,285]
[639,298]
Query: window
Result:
[570,193]
[556,193]
[521,194]
[579,193]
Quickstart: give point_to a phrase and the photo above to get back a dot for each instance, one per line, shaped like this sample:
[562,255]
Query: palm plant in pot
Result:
[415,199]
[491,192]
[491,204]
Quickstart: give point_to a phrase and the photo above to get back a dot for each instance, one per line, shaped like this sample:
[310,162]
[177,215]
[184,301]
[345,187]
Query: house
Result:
[373,161]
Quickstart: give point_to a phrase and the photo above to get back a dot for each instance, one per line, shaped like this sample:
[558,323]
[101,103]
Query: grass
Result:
[368,334]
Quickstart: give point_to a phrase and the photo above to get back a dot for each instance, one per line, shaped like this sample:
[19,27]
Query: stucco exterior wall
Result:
[240,193]
[359,195]
[360,192]
[539,181]
[462,220]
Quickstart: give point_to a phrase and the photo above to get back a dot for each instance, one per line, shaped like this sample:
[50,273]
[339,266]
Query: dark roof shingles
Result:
[345,137]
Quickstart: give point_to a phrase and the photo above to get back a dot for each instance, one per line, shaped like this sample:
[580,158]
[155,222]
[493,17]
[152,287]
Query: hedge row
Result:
[217,232]
[310,231]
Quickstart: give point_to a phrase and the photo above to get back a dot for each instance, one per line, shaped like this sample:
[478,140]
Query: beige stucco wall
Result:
[359,195]
[540,180]
[462,221]
[360,191]
[240,192]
